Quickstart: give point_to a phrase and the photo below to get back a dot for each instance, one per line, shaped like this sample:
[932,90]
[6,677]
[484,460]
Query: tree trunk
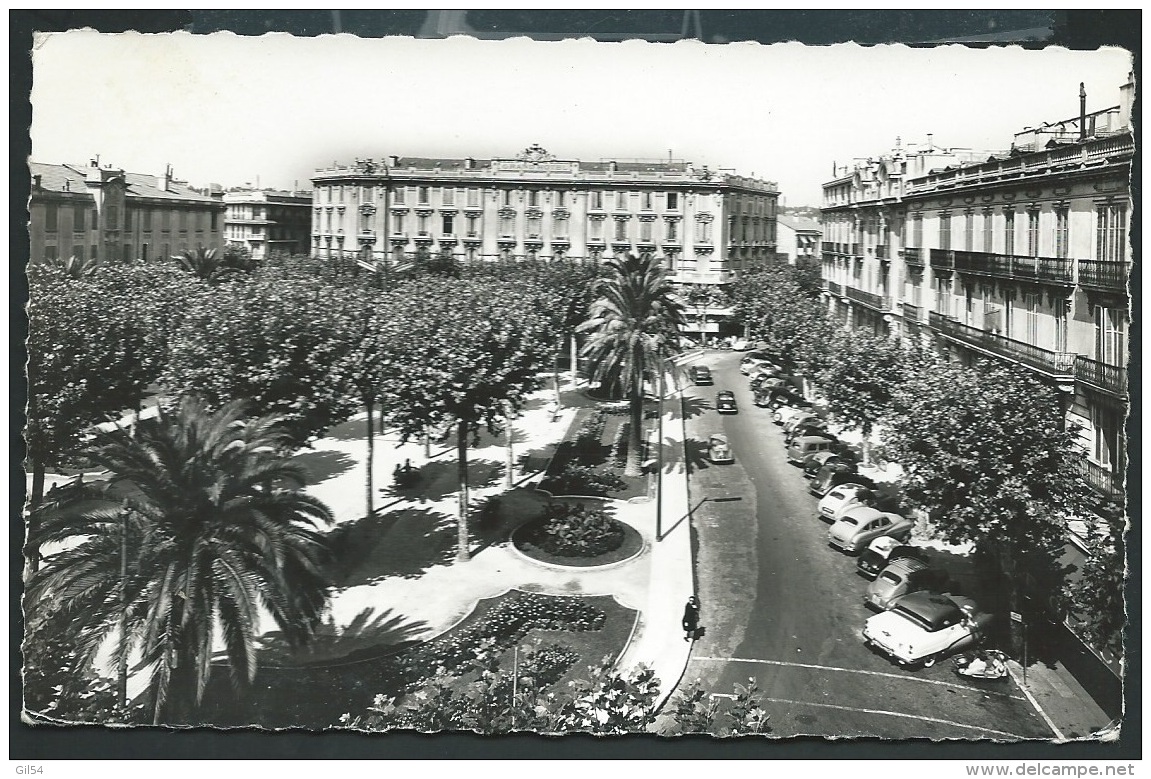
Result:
[31,549]
[634,436]
[865,445]
[574,359]
[463,543]
[369,491]
[510,433]
[122,658]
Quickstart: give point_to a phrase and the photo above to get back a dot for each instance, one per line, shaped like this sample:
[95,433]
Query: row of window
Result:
[472,197]
[52,252]
[86,218]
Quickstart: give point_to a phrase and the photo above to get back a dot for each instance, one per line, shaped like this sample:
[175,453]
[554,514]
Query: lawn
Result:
[610,450]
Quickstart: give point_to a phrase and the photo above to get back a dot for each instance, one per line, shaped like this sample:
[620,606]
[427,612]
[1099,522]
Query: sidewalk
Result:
[1067,708]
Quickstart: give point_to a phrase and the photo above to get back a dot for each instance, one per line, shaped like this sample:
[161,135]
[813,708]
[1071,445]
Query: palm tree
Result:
[202,531]
[207,264]
[634,324]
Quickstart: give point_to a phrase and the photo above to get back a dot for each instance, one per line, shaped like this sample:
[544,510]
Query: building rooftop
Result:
[72,178]
[800,224]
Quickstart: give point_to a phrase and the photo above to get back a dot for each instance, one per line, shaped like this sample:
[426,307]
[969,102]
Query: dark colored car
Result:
[764,379]
[886,550]
[812,427]
[782,396]
[834,474]
[725,402]
[701,374]
[813,464]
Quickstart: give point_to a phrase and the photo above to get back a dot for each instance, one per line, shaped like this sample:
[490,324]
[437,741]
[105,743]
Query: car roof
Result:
[864,513]
[804,439]
[906,565]
[883,544]
[719,437]
[725,393]
[931,606]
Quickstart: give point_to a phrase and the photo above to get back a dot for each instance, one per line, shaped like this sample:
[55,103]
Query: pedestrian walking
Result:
[691,618]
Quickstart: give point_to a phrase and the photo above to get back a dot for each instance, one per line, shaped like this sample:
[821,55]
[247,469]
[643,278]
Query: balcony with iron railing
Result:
[835,288]
[1049,363]
[1104,275]
[881,252]
[854,249]
[1049,270]
[1109,378]
[913,257]
[912,313]
[942,259]
[1105,481]
[881,303]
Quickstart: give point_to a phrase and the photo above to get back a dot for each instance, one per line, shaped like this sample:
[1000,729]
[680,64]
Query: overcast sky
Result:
[228,109]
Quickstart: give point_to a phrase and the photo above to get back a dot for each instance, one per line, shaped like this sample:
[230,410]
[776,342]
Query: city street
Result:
[797,632]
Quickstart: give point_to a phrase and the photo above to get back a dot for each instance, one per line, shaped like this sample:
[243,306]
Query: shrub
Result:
[587,442]
[582,480]
[575,531]
[619,444]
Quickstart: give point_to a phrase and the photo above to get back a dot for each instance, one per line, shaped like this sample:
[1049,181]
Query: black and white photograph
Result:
[468,385]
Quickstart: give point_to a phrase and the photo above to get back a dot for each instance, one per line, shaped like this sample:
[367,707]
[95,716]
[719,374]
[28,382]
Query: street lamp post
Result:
[659,454]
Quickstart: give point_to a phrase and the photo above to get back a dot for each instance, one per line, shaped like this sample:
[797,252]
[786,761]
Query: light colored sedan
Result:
[842,499]
[861,525]
[782,414]
[719,450]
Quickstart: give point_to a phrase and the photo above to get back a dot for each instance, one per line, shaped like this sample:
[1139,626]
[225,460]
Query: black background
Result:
[1075,29]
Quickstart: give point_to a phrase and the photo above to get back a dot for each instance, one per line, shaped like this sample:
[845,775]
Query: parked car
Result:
[810,427]
[843,498]
[834,474]
[782,396]
[922,627]
[859,526]
[900,577]
[741,345]
[884,550]
[838,454]
[764,379]
[725,402]
[799,449]
[754,360]
[806,415]
[718,449]
[701,374]
[783,414]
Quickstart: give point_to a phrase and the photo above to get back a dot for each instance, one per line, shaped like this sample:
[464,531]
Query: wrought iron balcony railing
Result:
[942,259]
[1103,274]
[881,251]
[869,299]
[913,257]
[912,313]
[1052,270]
[835,288]
[1104,481]
[1110,378]
[1044,361]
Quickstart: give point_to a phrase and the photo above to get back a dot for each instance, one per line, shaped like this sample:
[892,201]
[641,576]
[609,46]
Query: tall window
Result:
[507,225]
[597,201]
[621,201]
[945,231]
[533,197]
[473,197]
[1110,340]
[1033,233]
[561,199]
[703,231]
[1031,318]
[472,225]
[1060,321]
[943,296]
[1009,232]
[78,214]
[672,231]
[147,219]
[448,196]
[534,228]
[340,194]
[595,229]
[423,195]
[988,233]
[645,199]
[620,230]
[448,224]
[1111,232]
[505,197]
[422,223]
[917,231]
[645,231]
[399,196]
[969,231]
[672,201]
[560,226]
[51,218]
[1061,245]
[369,194]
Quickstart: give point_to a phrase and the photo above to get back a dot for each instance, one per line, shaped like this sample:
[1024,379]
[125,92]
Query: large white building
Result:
[706,225]
[268,220]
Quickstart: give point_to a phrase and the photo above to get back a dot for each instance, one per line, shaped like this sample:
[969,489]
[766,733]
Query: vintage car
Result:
[700,374]
[725,402]
[900,577]
[883,550]
[718,449]
[861,525]
[923,627]
[842,499]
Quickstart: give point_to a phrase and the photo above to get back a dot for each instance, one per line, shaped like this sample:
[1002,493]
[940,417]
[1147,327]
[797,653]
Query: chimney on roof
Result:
[67,185]
[930,142]
[394,161]
[1082,112]
[36,179]
[612,166]
[469,163]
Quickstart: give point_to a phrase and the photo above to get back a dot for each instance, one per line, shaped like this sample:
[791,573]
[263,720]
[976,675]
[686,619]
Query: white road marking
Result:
[936,720]
[855,671]
[1058,733]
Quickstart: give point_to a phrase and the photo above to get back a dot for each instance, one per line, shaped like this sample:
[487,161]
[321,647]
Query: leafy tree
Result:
[272,343]
[203,529]
[988,468]
[469,356]
[633,326]
[777,306]
[701,297]
[208,265]
[859,380]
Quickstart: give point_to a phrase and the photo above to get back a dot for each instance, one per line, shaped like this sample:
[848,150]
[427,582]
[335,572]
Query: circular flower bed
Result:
[576,534]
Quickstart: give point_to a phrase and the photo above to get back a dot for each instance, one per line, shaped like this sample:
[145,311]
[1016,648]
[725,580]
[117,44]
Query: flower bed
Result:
[574,530]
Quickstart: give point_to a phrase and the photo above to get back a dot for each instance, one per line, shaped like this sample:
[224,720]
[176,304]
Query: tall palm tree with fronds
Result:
[634,325]
[202,532]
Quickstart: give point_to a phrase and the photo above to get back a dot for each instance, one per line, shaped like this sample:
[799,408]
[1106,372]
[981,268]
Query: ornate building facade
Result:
[1021,257]
[105,214]
[706,226]
[268,220]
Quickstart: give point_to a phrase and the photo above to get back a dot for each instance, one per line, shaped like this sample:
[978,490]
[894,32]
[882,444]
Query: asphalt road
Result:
[783,608]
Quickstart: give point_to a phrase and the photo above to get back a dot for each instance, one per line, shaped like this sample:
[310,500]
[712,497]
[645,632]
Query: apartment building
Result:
[106,214]
[268,220]
[707,226]
[1020,256]
[799,238]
